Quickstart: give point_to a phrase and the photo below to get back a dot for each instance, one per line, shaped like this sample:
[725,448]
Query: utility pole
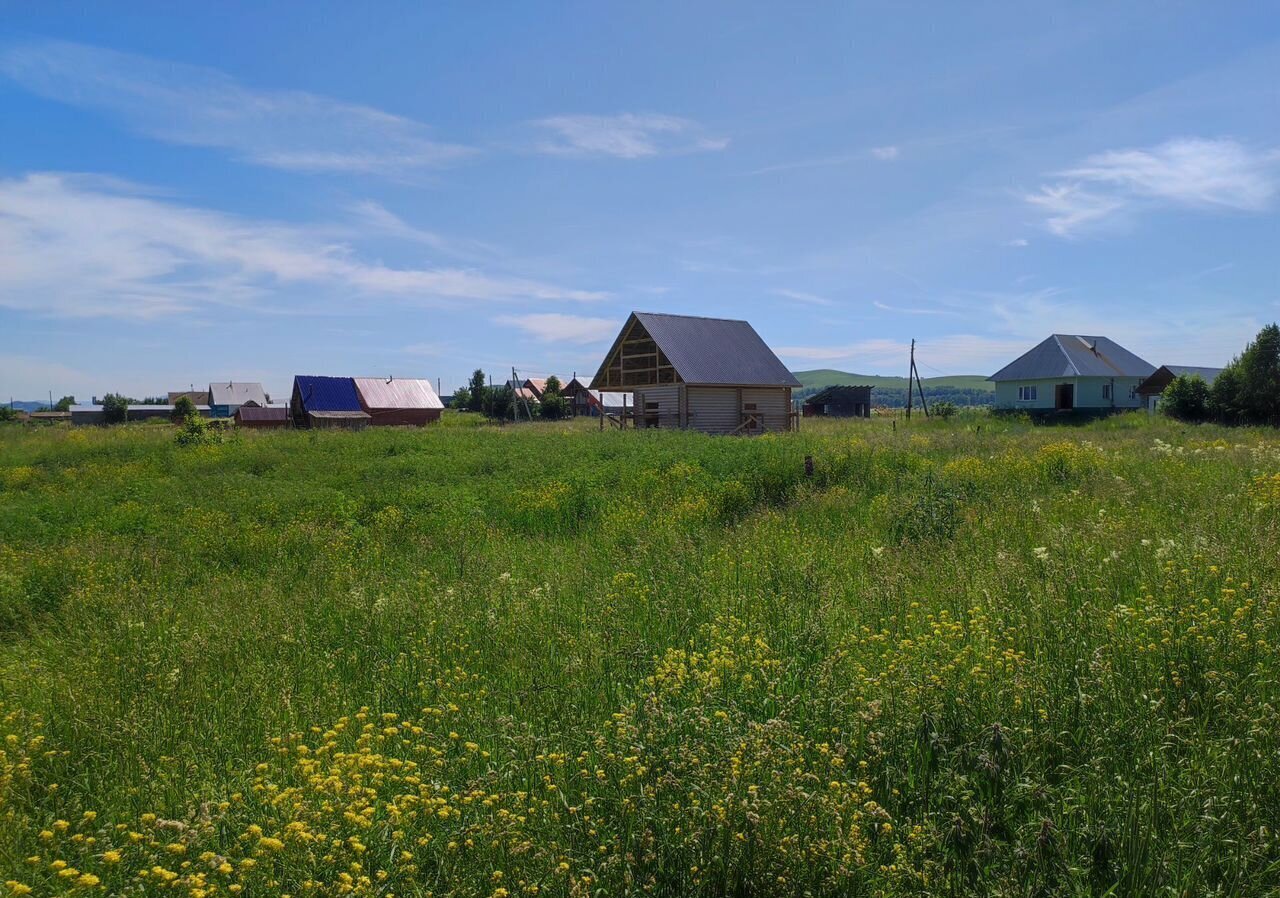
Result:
[913,383]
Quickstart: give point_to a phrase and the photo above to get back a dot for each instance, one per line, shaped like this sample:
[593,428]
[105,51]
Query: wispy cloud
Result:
[1187,172]
[903,310]
[376,218]
[808,298]
[554,326]
[77,245]
[626,136]
[885,153]
[198,106]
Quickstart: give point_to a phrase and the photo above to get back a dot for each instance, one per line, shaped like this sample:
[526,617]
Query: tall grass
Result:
[973,657]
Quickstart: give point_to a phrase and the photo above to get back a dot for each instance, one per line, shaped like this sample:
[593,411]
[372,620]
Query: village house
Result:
[227,396]
[408,401]
[839,402]
[714,375]
[1069,372]
[326,402]
[1151,389]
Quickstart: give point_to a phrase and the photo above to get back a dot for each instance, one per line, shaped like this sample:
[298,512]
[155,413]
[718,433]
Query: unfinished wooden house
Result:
[710,374]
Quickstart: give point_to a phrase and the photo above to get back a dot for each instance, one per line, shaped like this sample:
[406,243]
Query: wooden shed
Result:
[408,401]
[320,401]
[839,402]
[257,418]
[714,375]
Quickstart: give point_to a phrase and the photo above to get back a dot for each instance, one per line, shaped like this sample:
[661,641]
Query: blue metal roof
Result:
[326,394]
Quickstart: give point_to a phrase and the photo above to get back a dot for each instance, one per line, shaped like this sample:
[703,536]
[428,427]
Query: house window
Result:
[1106,391]
[749,406]
[1133,392]
[1027,394]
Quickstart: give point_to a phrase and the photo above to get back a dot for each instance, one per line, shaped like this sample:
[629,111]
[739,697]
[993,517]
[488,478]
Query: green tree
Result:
[64,404]
[461,398]
[1186,398]
[943,409]
[1248,390]
[184,409]
[499,402]
[553,405]
[115,408]
[8,413]
[478,392]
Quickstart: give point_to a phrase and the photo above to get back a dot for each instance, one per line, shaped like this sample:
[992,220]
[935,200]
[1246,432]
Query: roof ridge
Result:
[1057,339]
[698,317]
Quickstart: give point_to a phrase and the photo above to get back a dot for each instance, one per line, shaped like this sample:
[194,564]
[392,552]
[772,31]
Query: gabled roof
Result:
[1208,375]
[1075,355]
[708,351]
[199,397]
[327,394]
[257,413]
[236,393]
[853,391]
[397,393]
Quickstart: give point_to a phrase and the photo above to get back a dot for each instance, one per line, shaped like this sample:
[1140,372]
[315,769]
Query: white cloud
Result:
[376,218]
[553,326]
[1019,242]
[901,310]
[885,153]
[627,136]
[198,106]
[79,246]
[1186,172]
[808,298]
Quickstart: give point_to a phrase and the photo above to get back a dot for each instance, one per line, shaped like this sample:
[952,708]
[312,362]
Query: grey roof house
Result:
[225,397]
[1072,371]
[1153,387]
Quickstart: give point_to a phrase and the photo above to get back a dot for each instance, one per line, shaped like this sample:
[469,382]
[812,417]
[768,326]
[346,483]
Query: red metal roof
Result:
[398,393]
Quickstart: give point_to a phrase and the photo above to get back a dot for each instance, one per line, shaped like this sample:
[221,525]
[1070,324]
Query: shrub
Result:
[184,409]
[115,408]
[943,410]
[1186,398]
[553,406]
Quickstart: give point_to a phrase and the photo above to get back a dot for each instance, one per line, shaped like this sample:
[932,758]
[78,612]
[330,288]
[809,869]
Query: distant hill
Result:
[34,406]
[961,389]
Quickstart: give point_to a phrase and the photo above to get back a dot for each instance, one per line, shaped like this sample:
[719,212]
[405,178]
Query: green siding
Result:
[1088,392]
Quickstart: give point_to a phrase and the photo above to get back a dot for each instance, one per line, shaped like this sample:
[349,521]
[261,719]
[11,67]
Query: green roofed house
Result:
[1072,372]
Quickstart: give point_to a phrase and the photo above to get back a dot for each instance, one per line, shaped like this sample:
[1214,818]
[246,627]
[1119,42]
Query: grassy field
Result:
[972,657]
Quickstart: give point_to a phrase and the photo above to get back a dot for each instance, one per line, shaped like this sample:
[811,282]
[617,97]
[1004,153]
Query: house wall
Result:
[714,409]
[666,413]
[1088,393]
[773,404]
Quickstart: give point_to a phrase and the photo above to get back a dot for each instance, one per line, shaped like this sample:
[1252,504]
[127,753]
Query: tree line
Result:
[502,403]
[1247,391]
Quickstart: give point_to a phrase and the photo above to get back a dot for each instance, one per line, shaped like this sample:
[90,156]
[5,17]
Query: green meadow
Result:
[972,657]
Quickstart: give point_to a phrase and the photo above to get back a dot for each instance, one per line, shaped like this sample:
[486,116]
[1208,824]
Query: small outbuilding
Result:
[1151,389]
[407,401]
[338,420]
[227,396]
[257,418]
[197,397]
[714,375]
[839,402]
[52,417]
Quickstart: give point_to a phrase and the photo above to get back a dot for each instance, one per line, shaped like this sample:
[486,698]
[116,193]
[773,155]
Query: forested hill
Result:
[961,389]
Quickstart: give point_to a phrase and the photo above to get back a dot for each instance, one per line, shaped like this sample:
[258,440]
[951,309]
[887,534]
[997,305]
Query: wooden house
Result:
[408,401]
[714,375]
[256,417]
[326,402]
[227,396]
[1151,389]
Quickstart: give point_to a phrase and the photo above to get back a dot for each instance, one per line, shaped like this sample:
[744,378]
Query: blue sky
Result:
[193,192]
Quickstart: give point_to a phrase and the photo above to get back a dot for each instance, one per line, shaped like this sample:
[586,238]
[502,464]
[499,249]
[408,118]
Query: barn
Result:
[839,402]
[714,375]
[407,401]
[331,402]
[258,418]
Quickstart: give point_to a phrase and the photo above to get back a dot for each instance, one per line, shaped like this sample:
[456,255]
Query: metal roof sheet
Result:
[1208,375]
[1074,355]
[327,394]
[398,392]
[257,413]
[340,415]
[834,390]
[711,351]
[236,393]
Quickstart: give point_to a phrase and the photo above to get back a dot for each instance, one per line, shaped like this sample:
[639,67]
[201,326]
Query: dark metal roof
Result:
[1075,355]
[398,393]
[711,351]
[255,413]
[236,393]
[327,394]
[838,390]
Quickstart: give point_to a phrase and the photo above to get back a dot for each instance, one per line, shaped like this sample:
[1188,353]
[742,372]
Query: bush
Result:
[461,399]
[184,409]
[553,406]
[1186,398]
[8,414]
[943,410]
[115,408]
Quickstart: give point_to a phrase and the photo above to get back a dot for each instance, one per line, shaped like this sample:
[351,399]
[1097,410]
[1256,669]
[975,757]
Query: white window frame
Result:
[1027,393]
